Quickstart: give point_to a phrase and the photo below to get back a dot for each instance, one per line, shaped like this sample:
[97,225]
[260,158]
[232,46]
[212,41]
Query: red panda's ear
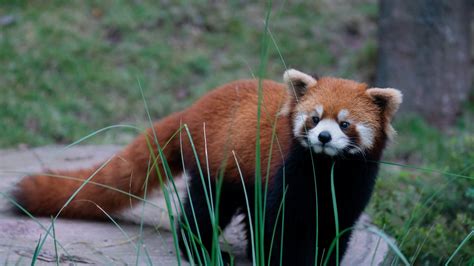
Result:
[298,82]
[387,99]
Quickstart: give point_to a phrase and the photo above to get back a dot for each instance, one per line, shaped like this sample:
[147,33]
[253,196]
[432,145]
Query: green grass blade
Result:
[280,209]
[207,194]
[82,186]
[191,239]
[40,246]
[167,171]
[390,243]
[36,251]
[100,131]
[459,247]
[207,162]
[334,243]
[423,169]
[258,217]
[252,238]
[26,212]
[375,251]
[114,222]
[140,239]
[56,255]
[336,215]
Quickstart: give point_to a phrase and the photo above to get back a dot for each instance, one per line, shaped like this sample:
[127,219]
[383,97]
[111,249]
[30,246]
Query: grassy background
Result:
[70,69]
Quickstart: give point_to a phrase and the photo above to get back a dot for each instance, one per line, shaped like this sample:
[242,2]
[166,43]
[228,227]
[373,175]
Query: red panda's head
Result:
[337,116]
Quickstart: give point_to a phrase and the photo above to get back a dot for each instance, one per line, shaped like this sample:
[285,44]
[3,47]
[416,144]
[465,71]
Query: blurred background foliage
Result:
[71,67]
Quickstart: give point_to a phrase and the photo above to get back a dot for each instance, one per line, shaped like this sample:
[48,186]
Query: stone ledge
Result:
[86,242]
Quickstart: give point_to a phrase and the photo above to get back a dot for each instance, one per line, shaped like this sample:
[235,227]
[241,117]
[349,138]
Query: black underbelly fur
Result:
[354,179]
[304,216]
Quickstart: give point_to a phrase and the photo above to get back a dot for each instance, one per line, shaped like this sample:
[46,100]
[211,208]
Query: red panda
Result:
[340,129]
[304,122]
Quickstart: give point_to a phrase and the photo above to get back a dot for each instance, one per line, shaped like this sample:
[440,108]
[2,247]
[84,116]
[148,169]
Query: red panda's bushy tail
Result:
[127,171]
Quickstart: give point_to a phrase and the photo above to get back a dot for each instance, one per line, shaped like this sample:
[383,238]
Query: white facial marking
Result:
[330,151]
[298,124]
[366,135]
[342,116]
[318,149]
[319,110]
[338,142]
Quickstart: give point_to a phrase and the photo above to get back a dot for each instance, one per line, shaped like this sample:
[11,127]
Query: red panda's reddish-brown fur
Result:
[229,115]
[335,127]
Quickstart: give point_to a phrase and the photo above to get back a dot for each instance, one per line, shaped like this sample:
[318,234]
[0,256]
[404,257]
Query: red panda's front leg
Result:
[200,224]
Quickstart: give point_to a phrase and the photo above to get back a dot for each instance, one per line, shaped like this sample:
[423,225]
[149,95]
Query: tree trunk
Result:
[424,50]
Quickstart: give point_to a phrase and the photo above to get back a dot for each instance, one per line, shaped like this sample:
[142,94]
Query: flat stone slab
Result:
[87,242]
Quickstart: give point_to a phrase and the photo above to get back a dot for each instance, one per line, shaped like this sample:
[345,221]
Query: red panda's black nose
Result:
[324,137]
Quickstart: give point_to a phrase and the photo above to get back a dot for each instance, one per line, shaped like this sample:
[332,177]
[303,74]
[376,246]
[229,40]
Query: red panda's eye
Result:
[315,120]
[344,124]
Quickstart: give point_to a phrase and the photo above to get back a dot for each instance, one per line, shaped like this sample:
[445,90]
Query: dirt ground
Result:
[87,242]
